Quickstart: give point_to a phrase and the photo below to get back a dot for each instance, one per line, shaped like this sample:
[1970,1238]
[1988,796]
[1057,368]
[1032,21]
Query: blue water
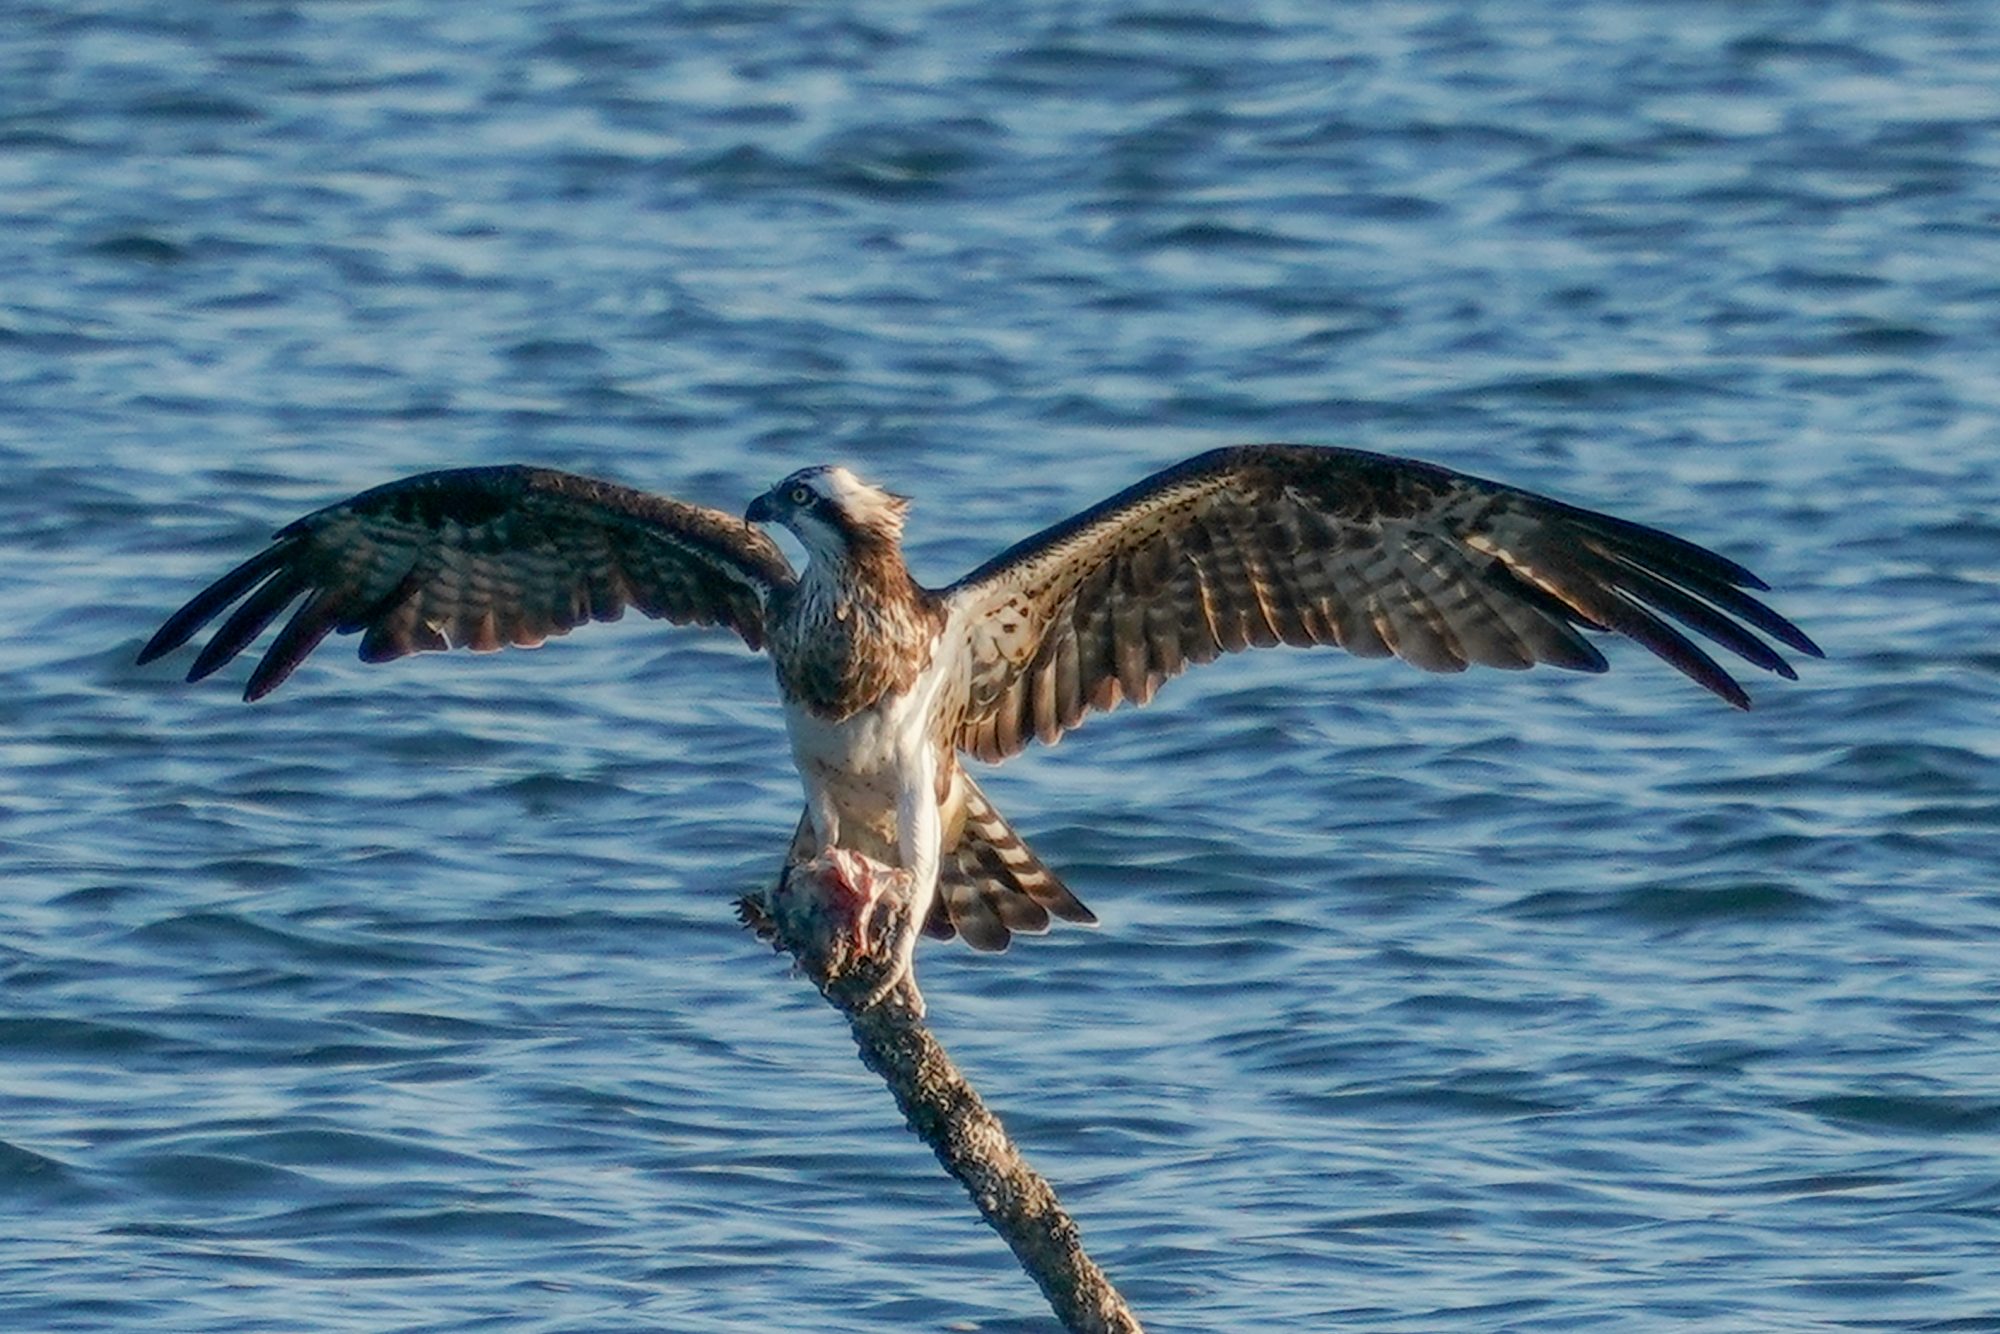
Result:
[411,999]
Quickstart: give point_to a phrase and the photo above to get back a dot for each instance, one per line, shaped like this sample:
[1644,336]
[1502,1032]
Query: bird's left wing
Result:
[481,558]
[1293,544]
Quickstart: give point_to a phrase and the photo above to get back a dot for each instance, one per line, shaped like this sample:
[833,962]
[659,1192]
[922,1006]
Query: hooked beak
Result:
[762,510]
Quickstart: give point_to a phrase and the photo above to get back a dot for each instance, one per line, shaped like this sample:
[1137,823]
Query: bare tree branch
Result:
[842,917]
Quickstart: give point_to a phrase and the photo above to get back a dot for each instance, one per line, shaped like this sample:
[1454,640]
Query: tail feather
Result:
[992,884]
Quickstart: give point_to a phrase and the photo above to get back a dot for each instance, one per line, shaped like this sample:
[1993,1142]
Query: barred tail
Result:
[991,884]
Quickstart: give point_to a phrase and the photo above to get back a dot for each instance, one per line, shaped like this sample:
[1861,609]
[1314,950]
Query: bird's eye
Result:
[800,495]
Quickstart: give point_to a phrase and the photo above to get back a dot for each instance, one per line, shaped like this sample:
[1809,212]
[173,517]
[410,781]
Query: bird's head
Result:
[831,511]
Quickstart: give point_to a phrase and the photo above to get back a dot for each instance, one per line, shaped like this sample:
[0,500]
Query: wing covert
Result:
[1260,545]
[482,558]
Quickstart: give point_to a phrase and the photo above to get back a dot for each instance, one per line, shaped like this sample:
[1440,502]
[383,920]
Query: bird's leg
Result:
[850,878]
[825,816]
[919,835]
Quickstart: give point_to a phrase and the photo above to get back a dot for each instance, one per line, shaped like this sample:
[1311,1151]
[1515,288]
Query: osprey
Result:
[887,685]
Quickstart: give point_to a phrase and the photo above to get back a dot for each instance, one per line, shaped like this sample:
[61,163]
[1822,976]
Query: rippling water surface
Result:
[412,999]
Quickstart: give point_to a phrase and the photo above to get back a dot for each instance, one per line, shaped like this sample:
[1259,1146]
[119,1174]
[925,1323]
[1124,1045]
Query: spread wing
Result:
[1291,544]
[480,558]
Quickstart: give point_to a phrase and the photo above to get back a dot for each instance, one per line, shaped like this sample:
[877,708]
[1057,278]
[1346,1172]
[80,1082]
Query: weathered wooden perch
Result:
[842,917]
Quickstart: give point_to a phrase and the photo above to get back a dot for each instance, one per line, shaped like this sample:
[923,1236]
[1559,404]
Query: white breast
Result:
[865,762]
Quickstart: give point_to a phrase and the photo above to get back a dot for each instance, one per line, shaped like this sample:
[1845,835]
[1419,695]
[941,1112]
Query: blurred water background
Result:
[411,999]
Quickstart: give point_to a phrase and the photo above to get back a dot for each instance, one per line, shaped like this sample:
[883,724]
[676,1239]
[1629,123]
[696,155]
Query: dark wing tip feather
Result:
[316,618]
[1699,616]
[1636,622]
[1706,573]
[1781,629]
[206,605]
[251,616]
[1620,576]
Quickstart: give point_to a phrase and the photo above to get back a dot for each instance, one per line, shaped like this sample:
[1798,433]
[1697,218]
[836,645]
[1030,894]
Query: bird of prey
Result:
[888,685]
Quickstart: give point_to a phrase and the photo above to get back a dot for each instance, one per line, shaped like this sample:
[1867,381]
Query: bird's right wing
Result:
[481,558]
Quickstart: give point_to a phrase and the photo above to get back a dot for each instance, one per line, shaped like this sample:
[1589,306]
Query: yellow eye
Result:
[800,495]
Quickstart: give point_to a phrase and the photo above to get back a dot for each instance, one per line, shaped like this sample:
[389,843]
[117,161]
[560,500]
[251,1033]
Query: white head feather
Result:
[864,504]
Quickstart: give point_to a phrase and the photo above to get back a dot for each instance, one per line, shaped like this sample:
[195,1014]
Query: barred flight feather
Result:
[482,558]
[1265,544]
